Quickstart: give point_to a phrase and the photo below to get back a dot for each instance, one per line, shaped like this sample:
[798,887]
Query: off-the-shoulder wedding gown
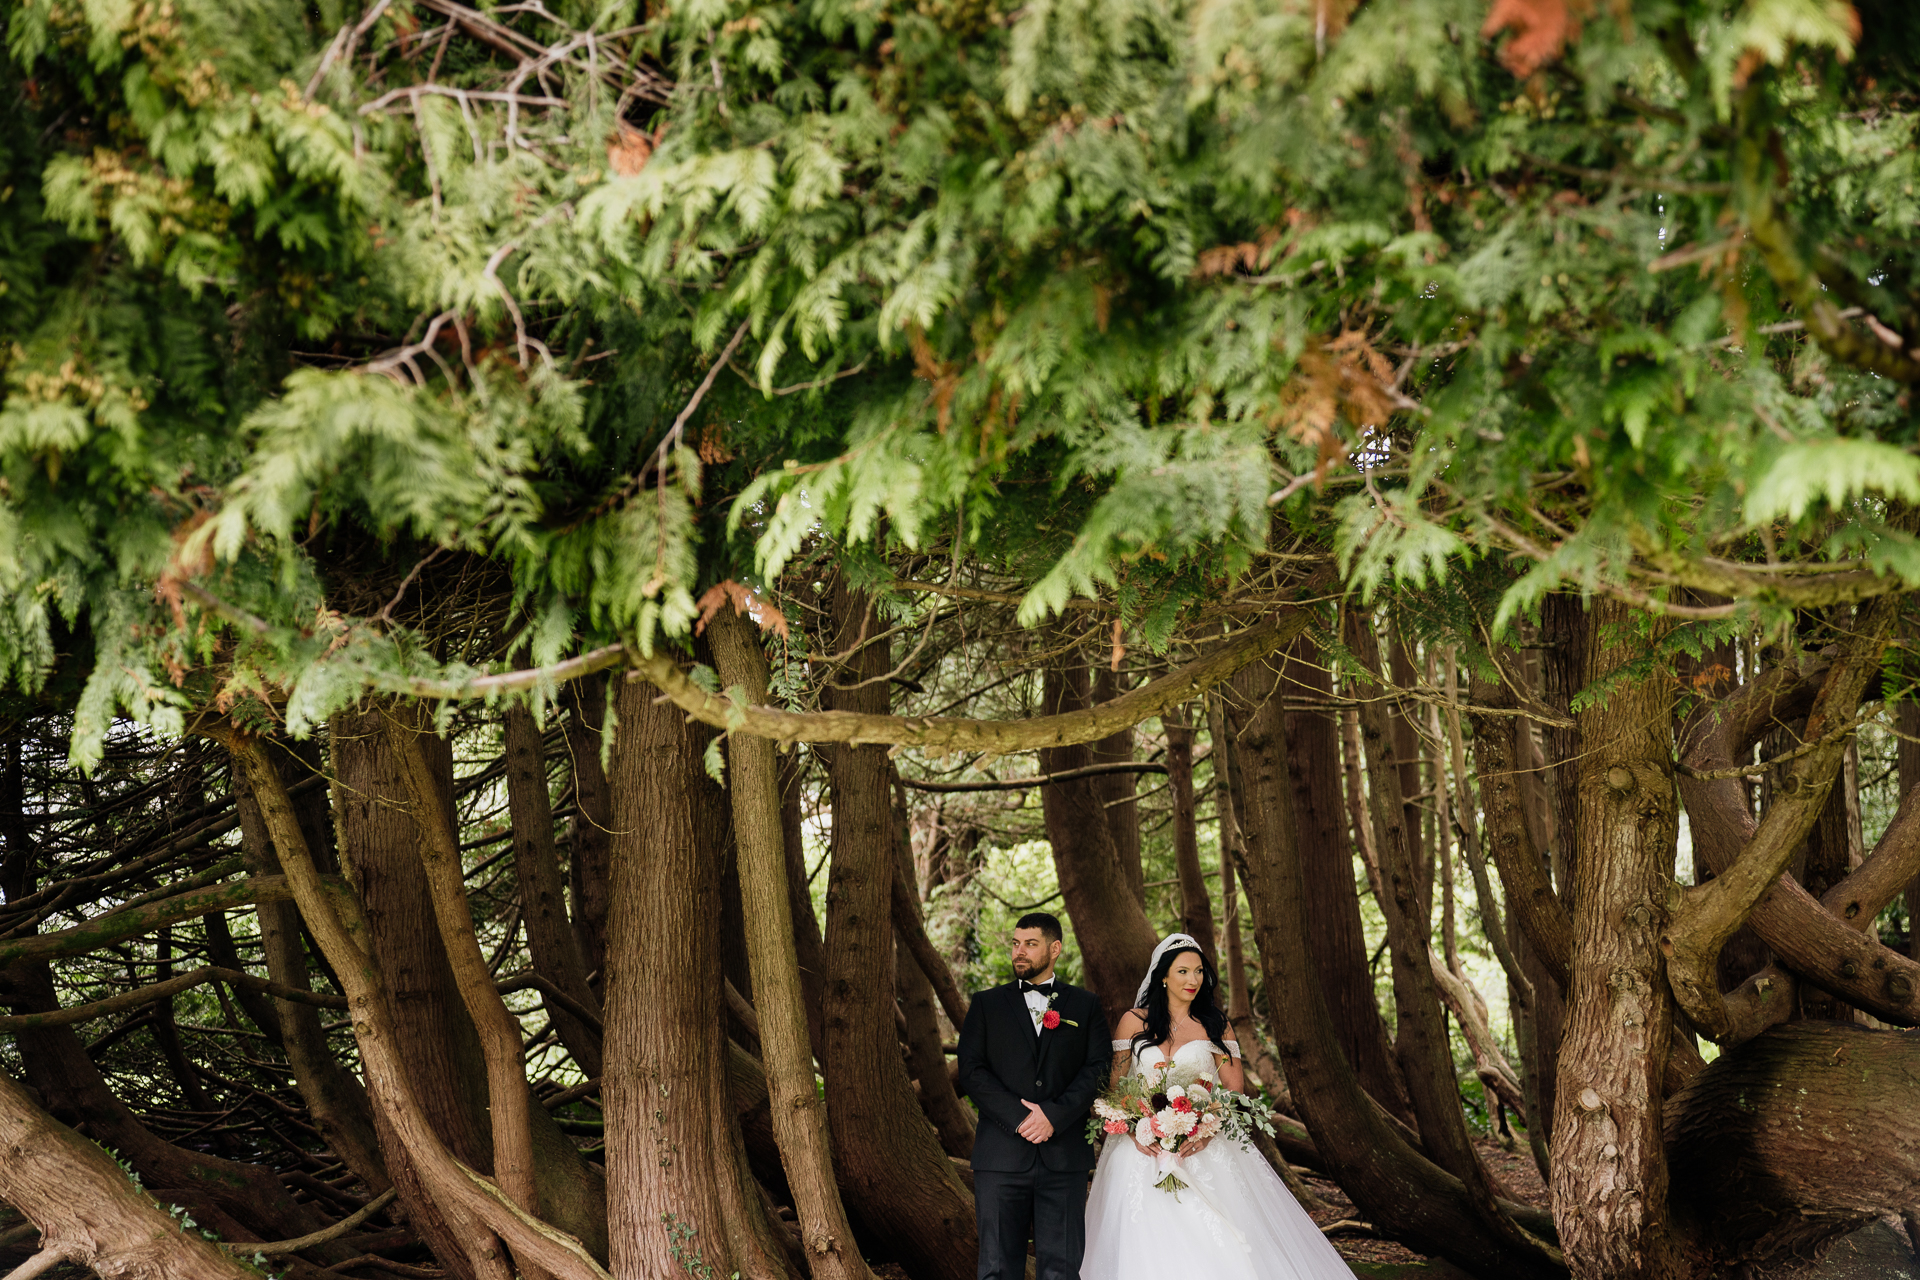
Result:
[1235,1221]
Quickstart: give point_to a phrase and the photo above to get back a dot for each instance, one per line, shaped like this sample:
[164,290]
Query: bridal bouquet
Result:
[1172,1108]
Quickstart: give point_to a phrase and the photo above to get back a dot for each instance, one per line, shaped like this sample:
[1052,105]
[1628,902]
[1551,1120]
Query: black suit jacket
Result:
[1002,1062]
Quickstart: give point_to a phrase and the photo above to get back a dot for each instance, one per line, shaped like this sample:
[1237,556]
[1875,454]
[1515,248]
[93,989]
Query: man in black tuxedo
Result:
[1033,1056]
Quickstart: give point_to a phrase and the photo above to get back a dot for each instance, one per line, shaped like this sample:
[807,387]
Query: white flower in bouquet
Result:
[1175,1091]
[1179,1123]
[1143,1132]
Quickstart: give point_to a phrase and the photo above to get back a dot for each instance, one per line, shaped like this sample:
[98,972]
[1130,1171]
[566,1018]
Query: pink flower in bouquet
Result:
[1115,1126]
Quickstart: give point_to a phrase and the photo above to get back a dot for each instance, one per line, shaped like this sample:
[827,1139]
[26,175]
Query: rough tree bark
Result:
[915,985]
[473,1215]
[1545,1022]
[1402,1192]
[1108,922]
[336,1100]
[1793,1139]
[1609,1167]
[1907,720]
[676,1203]
[1421,1045]
[551,939]
[806,926]
[1830,856]
[1326,859]
[1826,949]
[1563,636]
[437,1043]
[1115,791]
[588,869]
[508,1101]
[87,1211]
[1405,740]
[1233,854]
[911,1201]
[798,1116]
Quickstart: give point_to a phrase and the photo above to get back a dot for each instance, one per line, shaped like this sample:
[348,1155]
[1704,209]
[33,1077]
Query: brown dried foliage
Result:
[746,602]
[1346,377]
[1541,30]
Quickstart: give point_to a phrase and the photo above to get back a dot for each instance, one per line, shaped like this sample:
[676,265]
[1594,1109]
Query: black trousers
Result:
[1041,1205]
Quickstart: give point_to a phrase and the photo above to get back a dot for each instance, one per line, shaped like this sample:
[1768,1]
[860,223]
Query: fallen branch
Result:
[323,1236]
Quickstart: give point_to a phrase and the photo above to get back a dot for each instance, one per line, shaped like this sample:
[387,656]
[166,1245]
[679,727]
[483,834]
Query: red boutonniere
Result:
[1051,1018]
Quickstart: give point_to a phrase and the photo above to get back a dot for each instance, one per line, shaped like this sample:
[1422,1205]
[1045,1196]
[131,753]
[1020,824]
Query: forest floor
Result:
[1375,1257]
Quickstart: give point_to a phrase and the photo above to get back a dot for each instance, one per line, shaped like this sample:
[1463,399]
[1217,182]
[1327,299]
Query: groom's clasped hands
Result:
[1036,1127]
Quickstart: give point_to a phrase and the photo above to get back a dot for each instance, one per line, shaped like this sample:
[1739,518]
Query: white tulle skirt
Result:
[1235,1221]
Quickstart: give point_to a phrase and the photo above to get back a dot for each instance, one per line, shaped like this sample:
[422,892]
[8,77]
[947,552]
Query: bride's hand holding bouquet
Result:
[1171,1113]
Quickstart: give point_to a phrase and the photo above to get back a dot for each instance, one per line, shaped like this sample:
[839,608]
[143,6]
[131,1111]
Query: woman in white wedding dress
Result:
[1236,1220]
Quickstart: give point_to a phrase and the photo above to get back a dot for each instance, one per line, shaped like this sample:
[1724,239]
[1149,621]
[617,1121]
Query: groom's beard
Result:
[1027,972]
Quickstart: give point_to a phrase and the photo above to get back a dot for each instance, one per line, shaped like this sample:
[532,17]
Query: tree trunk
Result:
[87,1211]
[1421,1044]
[1907,720]
[806,926]
[1548,1016]
[926,1056]
[1406,757]
[1609,1167]
[1405,1195]
[1333,905]
[472,1215]
[1563,660]
[335,1098]
[435,1040]
[1196,904]
[1109,923]
[1830,856]
[1795,1138]
[588,867]
[911,1200]
[675,1203]
[431,807]
[1227,801]
[1115,791]
[766,878]
[166,1035]
[551,939]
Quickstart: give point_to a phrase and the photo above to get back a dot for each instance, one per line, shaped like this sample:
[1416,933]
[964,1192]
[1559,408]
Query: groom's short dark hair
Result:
[1045,921]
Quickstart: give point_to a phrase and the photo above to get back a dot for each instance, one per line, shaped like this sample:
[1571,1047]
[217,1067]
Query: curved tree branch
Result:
[1710,913]
[998,737]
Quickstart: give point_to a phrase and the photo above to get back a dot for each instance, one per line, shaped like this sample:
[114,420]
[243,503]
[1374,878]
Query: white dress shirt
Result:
[1037,1006]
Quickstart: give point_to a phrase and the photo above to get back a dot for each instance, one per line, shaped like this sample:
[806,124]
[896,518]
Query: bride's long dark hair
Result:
[1159,1028]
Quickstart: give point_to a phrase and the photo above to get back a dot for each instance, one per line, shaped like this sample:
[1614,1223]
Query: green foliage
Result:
[1107,297]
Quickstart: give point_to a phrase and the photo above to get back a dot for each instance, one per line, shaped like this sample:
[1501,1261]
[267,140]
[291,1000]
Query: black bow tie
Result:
[1044,988]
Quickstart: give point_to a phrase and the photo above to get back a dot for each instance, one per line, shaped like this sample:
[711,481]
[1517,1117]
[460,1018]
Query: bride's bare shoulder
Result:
[1131,1024]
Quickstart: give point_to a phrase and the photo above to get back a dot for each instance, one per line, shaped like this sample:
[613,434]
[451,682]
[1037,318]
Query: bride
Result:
[1236,1219]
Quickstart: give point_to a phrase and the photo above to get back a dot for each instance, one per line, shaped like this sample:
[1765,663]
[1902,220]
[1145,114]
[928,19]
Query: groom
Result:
[1033,1056]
